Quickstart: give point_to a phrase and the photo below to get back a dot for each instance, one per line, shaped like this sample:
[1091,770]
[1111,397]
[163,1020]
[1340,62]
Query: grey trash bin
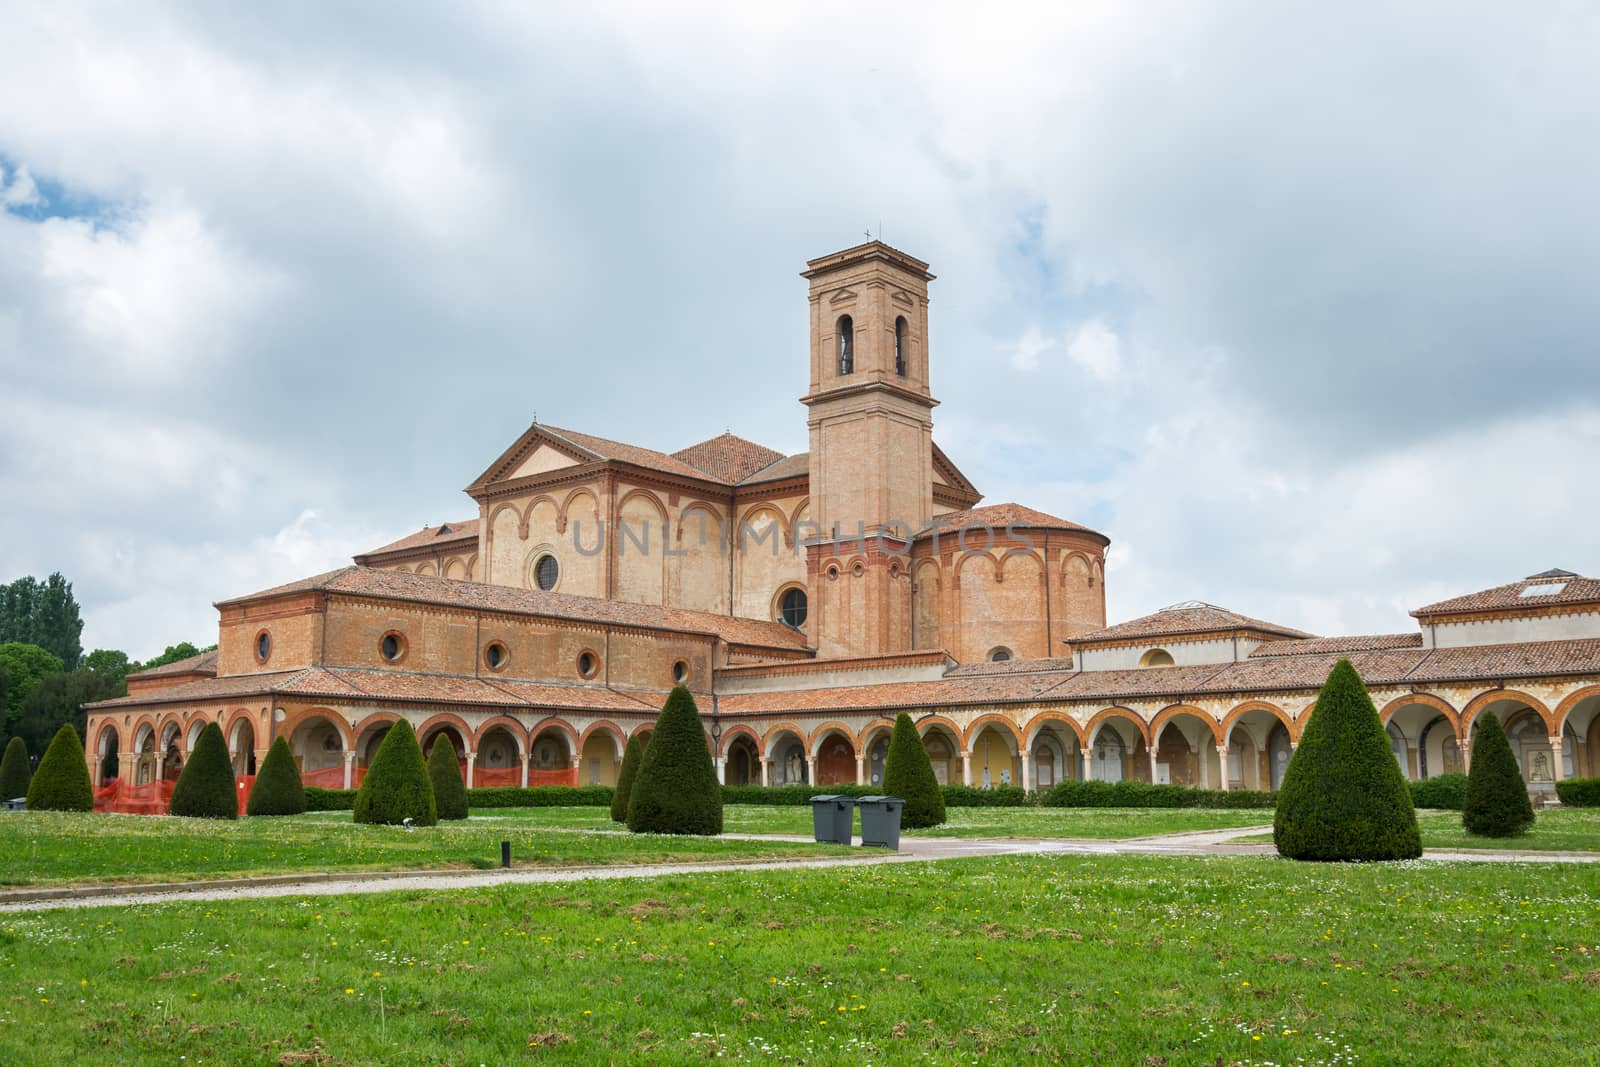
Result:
[880,821]
[831,818]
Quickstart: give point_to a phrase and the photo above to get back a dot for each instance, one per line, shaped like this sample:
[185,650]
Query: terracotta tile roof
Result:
[983,690]
[604,448]
[1192,617]
[236,685]
[1012,666]
[1492,662]
[425,589]
[204,663]
[795,466]
[727,458]
[1359,643]
[1556,587]
[445,534]
[1000,516]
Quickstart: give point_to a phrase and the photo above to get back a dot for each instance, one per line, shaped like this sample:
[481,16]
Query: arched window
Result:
[847,345]
[792,608]
[900,346]
[999,655]
[1156,657]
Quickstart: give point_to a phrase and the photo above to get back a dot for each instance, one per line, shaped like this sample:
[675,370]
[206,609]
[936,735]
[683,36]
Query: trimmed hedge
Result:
[630,770]
[908,774]
[1000,796]
[792,795]
[206,788]
[1343,796]
[1579,792]
[15,774]
[1131,794]
[277,789]
[319,799]
[396,787]
[542,796]
[676,789]
[1447,792]
[444,774]
[1497,799]
[61,781]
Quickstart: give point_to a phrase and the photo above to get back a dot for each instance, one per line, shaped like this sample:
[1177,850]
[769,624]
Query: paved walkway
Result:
[912,850]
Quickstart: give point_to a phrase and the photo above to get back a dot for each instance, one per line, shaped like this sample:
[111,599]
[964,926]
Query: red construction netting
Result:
[566,777]
[245,783]
[333,777]
[153,798]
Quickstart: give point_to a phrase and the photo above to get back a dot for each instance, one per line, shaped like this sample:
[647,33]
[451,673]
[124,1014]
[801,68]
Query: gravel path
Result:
[912,850]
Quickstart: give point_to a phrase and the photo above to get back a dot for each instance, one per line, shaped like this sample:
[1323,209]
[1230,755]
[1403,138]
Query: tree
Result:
[24,667]
[277,789]
[59,699]
[908,774]
[174,653]
[61,781]
[15,774]
[675,790]
[44,614]
[206,788]
[1497,800]
[630,770]
[444,774]
[1343,796]
[108,663]
[396,787]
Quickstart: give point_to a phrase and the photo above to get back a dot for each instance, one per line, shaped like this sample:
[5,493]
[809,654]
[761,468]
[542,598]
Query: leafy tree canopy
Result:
[44,614]
[108,663]
[23,667]
[181,650]
[58,700]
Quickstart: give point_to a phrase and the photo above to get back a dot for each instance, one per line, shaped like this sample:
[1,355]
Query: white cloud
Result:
[18,189]
[1097,349]
[1033,344]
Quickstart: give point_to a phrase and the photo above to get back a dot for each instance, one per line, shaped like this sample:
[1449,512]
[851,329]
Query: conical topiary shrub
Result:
[396,787]
[444,774]
[630,770]
[675,790]
[61,781]
[15,774]
[206,788]
[1343,796]
[1497,800]
[908,774]
[277,789]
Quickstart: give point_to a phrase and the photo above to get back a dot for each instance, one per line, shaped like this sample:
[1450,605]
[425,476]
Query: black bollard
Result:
[505,854]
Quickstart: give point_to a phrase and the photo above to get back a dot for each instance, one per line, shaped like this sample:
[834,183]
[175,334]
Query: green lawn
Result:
[1559,830]
[1098,823]
[44,848]
[1118,960]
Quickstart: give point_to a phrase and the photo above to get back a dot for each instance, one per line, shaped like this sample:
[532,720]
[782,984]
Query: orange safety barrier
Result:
[245,782]
[333,777]
[564,777]
[153,798]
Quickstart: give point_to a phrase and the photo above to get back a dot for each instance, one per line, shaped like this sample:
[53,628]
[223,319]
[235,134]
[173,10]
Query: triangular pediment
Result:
[535,452]
[947,474]
[843,296]
[903,298]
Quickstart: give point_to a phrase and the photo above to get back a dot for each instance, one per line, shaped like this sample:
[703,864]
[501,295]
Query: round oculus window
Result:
[494,655]
[587,664]
[263,645]
[680,672]
[392,647]
[546,573]
[792,608]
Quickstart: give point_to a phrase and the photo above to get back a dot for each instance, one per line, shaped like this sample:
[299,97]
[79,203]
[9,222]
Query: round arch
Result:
[705,526]
[1470,713]
[1569,703]
[982,722]
[565,517]
[869,733]
[619,737]
[1116,711]
[1172,711]
[733,733]
[924,725]
[777,731]
[554,722]
[1033,727]
[1230,720]
[821,733]
[1424,700]
[443,720]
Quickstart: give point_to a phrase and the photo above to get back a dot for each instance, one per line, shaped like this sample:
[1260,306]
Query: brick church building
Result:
[806,600]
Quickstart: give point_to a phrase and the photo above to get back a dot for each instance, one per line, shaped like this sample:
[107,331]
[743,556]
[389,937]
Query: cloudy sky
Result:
[1297,302]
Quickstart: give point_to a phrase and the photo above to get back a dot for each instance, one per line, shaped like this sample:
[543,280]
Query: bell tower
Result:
[871,423]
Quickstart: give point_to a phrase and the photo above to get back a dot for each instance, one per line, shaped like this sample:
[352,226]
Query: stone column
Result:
[1558,768]
[1027,768]
[1203,768]
[160,760]
[1413,762]
[1465,748]
[1152,765]
[861,770]
[1088,764]
[126,764]
[349,768]
[1222,765]
[966,768]
[808,769]
[526,758]
[472,760]
[721,763]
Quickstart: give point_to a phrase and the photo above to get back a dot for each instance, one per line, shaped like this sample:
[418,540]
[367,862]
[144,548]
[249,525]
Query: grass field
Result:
[1560,830]
[43,848]
[1120,960]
